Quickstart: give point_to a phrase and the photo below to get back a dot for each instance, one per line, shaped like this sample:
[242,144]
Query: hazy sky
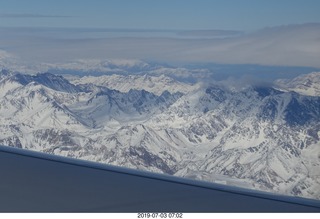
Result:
[266,32]
[158,14]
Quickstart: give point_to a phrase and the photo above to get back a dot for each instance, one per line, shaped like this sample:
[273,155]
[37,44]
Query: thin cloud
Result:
[294,45]
[26,15]
[210,33]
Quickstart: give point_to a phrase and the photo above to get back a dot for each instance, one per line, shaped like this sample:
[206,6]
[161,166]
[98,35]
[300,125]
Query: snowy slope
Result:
[308,84]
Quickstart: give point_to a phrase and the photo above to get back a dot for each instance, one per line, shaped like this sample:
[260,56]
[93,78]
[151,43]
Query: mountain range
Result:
[264,137]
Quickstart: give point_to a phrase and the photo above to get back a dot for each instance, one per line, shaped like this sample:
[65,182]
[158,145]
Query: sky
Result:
[264,32]
[241,15]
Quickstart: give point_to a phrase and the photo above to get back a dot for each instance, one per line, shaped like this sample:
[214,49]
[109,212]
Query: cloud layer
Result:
[293,45]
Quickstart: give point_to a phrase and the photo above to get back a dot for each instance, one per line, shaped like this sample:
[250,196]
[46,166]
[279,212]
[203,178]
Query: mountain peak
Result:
[264,91]
[49,80]
[306,84]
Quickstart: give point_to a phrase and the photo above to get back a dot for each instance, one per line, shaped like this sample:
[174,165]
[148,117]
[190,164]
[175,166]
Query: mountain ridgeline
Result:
[260,137]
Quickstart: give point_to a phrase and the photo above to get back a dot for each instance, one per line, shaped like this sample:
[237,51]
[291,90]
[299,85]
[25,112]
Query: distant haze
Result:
[291,45]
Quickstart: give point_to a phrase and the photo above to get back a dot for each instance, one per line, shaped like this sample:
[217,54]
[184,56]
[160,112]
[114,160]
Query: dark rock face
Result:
[264,91]
[12,141]
[216,93]
[302,110]
[149,159]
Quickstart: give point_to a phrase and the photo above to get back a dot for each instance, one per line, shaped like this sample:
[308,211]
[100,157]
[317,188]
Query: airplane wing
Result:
[37,182]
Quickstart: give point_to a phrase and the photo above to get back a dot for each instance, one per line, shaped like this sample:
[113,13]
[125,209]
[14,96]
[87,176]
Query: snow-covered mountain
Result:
[124,83]
[307,84]
[265,136]
[257,137]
